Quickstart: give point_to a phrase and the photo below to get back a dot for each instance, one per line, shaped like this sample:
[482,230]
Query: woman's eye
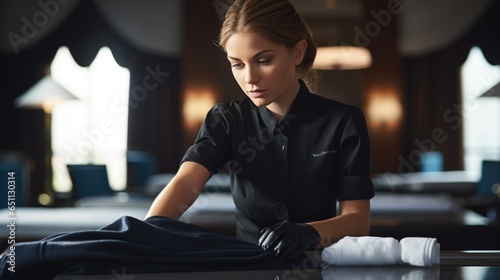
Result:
[264,61]
[236,65]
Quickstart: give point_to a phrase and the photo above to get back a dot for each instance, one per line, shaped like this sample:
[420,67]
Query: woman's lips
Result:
[256,93]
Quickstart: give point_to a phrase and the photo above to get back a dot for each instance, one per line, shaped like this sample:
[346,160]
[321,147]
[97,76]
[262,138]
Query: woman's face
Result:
[265,71]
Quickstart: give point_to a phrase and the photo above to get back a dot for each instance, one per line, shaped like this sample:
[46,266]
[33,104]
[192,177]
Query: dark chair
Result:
[490,176]
[15,180]
[89,180]
[140,166]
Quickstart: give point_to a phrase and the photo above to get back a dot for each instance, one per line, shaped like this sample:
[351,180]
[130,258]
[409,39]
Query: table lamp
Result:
[492,92]
[45,94]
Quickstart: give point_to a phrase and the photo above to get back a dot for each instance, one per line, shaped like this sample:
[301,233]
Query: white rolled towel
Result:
[365,250]
[419,251]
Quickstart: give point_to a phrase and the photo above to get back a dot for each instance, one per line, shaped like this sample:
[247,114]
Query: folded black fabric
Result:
[157,244]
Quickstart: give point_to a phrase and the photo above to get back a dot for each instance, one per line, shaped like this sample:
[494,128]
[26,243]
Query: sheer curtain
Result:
[92,129]
[481,115]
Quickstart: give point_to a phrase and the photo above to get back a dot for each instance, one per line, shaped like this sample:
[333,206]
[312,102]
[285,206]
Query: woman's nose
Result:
[251,75]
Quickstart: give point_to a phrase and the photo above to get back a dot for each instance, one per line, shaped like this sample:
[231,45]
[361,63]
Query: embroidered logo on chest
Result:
[323,153]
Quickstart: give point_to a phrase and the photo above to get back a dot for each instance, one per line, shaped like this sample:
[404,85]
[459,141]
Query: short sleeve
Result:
[211,147]
[354,160]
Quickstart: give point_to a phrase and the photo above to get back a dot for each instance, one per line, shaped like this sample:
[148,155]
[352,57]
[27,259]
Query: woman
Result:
[291,154]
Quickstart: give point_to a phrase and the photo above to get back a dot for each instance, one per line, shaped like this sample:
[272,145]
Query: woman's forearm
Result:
[181,191]
[172,202]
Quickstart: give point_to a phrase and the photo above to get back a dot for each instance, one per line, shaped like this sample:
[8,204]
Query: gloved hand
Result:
[289,239]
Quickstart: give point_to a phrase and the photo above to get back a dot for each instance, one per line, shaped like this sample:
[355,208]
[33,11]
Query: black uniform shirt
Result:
[296,169]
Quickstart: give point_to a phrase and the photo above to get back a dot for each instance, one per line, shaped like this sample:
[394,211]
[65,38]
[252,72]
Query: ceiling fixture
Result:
[342,58]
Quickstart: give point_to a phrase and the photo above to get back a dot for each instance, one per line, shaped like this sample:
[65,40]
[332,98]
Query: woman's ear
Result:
[299,51]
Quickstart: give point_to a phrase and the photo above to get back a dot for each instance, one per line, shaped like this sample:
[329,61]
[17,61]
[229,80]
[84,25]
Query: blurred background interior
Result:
[100,100]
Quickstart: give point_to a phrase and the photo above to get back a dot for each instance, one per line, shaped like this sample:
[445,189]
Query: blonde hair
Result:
[276,20]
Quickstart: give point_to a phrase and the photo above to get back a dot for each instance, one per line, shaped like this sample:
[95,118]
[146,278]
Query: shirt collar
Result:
[298,106]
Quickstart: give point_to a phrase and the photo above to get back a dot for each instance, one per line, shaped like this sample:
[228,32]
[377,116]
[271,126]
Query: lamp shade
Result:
[342,58]
[492,92]
[45,94]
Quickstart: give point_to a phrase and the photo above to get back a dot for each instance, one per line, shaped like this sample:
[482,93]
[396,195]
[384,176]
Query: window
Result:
[92,129]
[481,115]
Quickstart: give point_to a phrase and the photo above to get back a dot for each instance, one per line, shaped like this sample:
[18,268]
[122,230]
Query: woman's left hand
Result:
[289,239]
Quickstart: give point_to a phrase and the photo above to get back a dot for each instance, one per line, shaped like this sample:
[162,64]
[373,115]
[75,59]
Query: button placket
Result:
[282,144]
[280,204]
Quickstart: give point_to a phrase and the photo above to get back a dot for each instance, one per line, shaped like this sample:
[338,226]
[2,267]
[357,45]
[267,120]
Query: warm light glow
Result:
[197,103]
[51,102]
[384,110]
[330,4]
[342,58]
[45,199]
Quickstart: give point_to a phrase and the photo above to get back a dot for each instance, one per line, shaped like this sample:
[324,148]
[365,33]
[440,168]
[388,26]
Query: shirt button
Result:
[283,176]
[283,147]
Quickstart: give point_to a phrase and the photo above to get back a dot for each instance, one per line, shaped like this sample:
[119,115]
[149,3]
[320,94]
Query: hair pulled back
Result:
[278,21]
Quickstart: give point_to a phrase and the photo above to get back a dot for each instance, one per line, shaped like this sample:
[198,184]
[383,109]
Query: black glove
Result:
[288,239]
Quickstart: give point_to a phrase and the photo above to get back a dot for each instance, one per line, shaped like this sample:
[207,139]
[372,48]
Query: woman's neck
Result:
[279,108]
